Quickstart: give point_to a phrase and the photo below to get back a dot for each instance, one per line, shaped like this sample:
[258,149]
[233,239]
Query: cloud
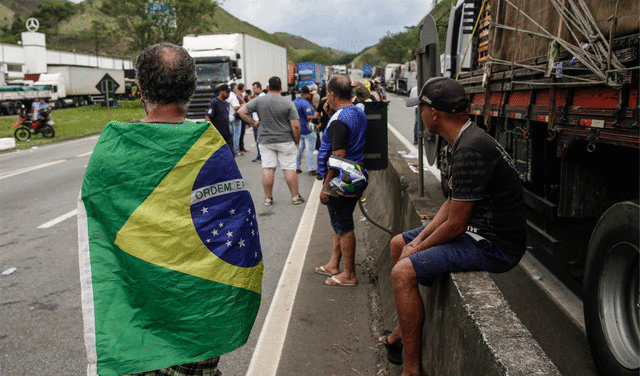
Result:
[348,25]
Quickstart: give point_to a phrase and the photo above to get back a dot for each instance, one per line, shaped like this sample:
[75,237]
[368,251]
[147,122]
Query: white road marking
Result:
[29,169]
[61,218]
[266,357]
[555,289]
[414,150]
[84,155]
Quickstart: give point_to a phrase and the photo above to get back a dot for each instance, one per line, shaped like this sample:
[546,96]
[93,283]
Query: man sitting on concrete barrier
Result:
[481,226]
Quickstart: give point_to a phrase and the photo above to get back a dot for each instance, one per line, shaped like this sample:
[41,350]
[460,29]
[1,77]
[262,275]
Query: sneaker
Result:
[297,200]
[298,171]
[311,173]
[268,201]
[319,177]
[257,160]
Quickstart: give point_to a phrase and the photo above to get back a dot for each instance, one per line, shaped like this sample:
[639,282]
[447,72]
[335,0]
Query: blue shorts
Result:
[341,213]
[462,253]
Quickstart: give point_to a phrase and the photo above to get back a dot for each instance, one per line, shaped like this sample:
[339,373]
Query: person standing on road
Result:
[344,137]
[278,136]
[152,253]
[243,98]
[307,134]
[412,95]
[218,114]
[257,92]
[481,226]
[235,123]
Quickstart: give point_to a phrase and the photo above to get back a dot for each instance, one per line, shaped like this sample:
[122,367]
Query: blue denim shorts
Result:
[462,253]
[341,213]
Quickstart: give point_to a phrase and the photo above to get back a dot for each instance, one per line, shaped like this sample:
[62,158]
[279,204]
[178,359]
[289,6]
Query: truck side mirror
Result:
[239,73]
[237,56]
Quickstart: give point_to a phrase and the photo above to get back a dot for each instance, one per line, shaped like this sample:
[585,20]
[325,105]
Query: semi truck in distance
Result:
[556,84]
[232,58]
[309,73]
[77,86]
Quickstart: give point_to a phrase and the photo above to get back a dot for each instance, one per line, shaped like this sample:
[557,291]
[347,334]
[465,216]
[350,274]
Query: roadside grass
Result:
[78,122]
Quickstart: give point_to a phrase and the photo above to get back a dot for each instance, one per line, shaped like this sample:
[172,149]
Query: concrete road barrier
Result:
[469,327]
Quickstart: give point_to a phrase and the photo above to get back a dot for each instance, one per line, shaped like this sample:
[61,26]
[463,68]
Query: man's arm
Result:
[295,127]
[331,173]
[449,222]
[246,116]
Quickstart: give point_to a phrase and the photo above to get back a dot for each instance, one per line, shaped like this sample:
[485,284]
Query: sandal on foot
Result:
[394,350]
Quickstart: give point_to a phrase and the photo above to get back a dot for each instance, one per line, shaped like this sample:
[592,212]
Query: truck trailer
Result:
[556,84]
[232,58]
[76,86]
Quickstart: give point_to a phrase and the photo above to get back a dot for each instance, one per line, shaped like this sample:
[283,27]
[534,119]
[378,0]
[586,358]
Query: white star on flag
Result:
[204,210]
[232,211]
[228,243]
[241,243]
[214,232]
[229,234]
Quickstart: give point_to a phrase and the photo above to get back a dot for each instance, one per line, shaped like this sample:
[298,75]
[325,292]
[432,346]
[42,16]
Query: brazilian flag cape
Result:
[170,258]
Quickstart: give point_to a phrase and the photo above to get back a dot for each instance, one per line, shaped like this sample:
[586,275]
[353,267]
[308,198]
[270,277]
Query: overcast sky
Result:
[347,25]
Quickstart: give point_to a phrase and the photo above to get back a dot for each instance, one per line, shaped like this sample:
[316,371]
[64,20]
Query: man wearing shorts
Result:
[344,137]
[481,226]
[278,136]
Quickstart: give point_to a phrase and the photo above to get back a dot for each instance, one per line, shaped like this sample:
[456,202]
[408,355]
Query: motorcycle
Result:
[25,127]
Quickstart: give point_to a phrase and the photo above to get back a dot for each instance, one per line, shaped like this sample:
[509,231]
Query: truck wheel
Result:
[48,131]
[11,109]
[22,134]
[611,291]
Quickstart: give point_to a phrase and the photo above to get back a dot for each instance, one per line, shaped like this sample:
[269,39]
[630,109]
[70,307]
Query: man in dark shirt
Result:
[218,114]
[480,227]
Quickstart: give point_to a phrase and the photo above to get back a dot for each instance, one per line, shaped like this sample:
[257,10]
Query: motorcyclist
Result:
[35,109]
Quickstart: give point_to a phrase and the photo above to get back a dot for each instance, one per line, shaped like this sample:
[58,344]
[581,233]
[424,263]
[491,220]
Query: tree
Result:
[345,59]
[146,22]
[399,47]
[51,13]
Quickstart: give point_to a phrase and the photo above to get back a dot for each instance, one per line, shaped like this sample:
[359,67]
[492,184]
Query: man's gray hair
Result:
[166,74]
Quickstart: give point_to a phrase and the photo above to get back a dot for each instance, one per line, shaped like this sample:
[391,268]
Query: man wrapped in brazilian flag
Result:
[170,258]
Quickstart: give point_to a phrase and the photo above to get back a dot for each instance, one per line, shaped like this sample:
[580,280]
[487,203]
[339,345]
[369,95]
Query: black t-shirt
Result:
[339,134]
[482,171]
[324,117]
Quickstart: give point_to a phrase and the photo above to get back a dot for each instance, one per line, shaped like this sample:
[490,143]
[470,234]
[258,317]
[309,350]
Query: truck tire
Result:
[611,291]
[11,108]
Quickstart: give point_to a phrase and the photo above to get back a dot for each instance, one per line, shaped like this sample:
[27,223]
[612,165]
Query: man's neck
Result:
[169,113]
[342,103]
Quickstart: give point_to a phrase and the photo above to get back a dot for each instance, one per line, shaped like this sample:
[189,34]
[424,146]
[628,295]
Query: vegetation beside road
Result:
[78,122]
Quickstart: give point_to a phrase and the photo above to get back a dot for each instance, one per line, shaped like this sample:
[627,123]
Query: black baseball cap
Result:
[443,94]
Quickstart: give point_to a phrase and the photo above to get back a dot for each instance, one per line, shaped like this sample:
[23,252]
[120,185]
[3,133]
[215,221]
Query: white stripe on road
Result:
[84,155]
[61,218]
[266,357]
[29,169]
[412,149]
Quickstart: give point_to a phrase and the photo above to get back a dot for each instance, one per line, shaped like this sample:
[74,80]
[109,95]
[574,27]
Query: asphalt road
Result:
[40,311]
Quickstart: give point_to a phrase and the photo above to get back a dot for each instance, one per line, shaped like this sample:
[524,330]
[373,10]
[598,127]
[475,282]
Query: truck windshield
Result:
[306,77]
[213,72]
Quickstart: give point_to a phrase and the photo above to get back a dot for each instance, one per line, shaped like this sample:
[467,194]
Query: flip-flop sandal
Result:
[338,283]
[323,271]
[394,350]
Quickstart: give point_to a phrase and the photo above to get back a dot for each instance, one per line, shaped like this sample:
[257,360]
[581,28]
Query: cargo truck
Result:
[556,83]
[76,86]
[13,97]
[232,58]
[309,73]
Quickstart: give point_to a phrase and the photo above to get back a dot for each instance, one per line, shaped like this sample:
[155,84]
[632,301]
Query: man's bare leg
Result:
[348,249]
[410,315]
[267,181]
[291,178]
[333,266]
[397,244]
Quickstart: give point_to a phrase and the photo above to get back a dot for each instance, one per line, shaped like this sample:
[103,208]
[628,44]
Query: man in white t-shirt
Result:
[234,121]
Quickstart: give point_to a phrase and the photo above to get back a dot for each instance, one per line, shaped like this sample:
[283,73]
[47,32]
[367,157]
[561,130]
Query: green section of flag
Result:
[148,316]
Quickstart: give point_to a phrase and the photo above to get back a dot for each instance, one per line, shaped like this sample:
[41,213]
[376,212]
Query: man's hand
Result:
[407,251]
[256,124]
[324,197]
